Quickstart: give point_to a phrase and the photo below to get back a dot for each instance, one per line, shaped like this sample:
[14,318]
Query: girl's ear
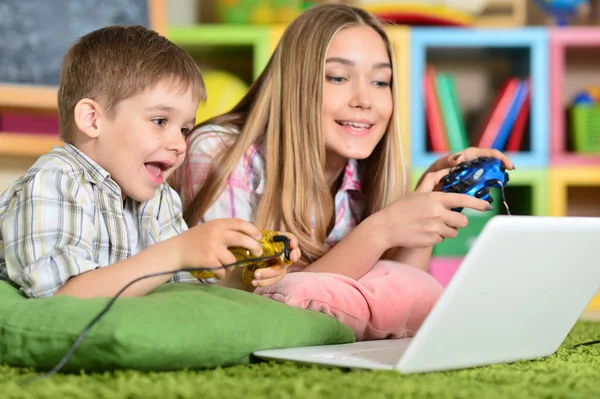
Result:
[86,116]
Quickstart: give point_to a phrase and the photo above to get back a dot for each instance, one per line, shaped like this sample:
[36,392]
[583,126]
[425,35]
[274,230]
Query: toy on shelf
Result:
[585,121]
[425,12]
[224,90]
[589,96]
[562,10]
[259,12]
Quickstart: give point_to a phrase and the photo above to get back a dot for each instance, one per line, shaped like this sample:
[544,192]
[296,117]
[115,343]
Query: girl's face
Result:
[357,95]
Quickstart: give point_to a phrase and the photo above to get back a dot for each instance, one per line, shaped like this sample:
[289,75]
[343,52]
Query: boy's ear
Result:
[86,116]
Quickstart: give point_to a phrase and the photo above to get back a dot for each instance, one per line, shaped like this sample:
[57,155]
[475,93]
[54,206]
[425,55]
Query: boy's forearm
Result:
[354,255]
[108,281]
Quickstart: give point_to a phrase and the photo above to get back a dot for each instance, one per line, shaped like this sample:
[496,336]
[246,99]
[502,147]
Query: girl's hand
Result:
[271,275]
[469,154]
[425,218]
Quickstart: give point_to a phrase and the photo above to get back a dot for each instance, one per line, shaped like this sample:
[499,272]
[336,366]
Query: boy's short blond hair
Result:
[113,63]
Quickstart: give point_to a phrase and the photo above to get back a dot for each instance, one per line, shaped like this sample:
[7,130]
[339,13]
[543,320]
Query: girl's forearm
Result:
[417,257]
[354,255]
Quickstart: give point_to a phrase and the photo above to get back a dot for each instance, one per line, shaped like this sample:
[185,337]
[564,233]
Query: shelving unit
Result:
[575,191]
[197,40]
[26,145]
[583,46]
[32,100]
[400,38]
[525,48]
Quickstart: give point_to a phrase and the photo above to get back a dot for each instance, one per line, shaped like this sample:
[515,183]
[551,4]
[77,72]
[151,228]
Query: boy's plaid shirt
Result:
[65,217]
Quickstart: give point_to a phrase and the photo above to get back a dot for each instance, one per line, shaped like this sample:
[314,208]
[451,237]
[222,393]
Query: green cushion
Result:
[175,327]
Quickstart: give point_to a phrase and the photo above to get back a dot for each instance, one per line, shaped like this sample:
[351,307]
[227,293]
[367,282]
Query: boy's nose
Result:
[176,142]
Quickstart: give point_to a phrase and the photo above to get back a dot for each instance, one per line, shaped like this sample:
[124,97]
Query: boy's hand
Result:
[271,275]
[206,245]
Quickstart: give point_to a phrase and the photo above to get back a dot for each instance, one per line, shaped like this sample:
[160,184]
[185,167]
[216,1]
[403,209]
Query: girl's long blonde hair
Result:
[281,113]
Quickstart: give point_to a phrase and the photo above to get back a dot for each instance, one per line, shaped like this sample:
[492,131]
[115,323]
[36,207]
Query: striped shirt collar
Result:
[93,172]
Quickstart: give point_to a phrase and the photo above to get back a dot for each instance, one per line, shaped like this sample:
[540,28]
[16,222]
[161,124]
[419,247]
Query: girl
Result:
[314,148]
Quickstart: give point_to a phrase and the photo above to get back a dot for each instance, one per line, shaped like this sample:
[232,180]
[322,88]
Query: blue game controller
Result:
[475,178]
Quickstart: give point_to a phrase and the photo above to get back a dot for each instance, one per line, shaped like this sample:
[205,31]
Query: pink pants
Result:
[390,301]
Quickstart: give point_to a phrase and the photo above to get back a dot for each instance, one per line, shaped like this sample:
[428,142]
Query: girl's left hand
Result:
[272,275]
[469,154]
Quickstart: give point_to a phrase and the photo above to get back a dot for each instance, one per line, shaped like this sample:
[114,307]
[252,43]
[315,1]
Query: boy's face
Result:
[143,143]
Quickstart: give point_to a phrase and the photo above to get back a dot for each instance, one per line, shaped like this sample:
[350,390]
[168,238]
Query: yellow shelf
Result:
[561,178]
[400,38]
[28,97]
[26,145]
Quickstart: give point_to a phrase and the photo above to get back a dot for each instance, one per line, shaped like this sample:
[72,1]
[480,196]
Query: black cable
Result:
[503,196]
[87,328]
[597,341]
[504,199]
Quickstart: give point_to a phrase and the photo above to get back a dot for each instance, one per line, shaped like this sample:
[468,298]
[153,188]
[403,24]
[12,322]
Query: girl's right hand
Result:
[206,245]
[425,217]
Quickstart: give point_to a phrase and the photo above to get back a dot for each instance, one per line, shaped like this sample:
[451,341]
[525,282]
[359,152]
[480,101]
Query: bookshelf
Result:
[574,62]
[522,51]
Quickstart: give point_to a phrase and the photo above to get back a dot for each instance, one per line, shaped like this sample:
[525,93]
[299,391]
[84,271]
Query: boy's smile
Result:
[157,170]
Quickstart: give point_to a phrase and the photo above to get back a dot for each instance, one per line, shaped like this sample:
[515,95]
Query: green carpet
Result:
[570,373]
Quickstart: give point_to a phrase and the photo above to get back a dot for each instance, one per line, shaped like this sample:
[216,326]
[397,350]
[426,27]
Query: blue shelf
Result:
[533,39]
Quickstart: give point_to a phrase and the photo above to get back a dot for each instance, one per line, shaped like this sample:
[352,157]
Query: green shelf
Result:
[258,37]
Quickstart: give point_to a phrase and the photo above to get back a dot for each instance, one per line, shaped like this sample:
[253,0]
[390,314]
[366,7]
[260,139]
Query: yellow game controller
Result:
[275,251]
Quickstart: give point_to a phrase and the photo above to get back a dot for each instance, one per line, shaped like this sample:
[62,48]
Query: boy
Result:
[97,213]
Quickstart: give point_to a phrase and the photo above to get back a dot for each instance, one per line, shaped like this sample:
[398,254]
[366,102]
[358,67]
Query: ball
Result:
[223,91]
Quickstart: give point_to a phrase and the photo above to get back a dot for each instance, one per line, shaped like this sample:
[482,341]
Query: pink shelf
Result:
[574,159]
[560,40]
[24,123]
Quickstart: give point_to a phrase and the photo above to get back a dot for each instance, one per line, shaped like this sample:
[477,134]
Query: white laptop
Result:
[517,294]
